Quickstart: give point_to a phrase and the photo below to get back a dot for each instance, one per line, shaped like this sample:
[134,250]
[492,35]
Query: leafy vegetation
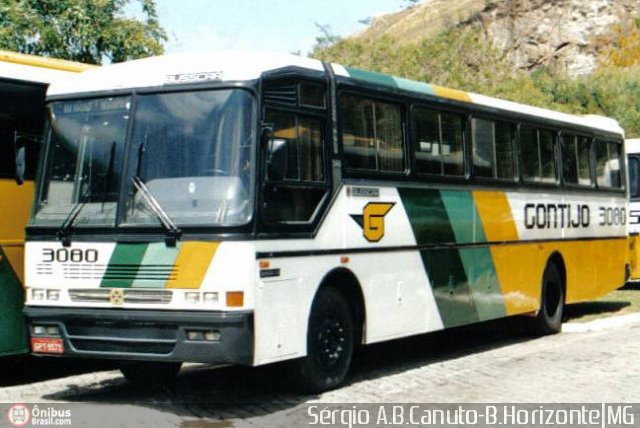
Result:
[87,31]
[461,57]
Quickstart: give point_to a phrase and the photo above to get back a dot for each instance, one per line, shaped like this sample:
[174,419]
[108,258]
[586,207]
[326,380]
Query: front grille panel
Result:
[97,295]
[115,330]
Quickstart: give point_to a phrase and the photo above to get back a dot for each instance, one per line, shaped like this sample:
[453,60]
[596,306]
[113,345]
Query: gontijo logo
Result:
[19,415]
[372,220]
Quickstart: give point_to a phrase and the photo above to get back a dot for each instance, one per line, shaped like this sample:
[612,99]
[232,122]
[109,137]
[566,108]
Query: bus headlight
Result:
[210,298]
[37,294]
[192,298]
[53,295]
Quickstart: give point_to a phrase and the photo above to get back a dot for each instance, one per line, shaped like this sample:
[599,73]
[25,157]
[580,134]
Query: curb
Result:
[602,324]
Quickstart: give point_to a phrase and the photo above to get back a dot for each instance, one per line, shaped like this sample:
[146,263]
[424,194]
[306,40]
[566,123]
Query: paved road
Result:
[492,362]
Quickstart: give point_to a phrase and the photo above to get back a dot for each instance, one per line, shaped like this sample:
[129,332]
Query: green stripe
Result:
[478,262]
[13,331]
[431,224]
[390,81]
[372,77]
[157,254]
[123,265]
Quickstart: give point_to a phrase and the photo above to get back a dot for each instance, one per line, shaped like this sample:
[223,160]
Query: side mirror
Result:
[19,147]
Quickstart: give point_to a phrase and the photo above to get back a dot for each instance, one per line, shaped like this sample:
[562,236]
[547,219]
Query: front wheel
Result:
[549,318]
[330,343]
[150,373]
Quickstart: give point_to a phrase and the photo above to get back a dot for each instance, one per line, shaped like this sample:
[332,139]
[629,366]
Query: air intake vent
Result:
[282,94]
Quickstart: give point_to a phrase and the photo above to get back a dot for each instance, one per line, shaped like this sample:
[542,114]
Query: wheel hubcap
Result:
[331,341]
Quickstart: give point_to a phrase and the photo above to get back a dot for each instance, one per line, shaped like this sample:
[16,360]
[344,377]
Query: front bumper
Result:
[148,334]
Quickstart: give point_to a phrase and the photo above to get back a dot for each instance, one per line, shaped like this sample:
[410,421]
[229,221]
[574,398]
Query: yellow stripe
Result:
[42,62]
[496,216]
[519,281]
[452,94]
[192,264]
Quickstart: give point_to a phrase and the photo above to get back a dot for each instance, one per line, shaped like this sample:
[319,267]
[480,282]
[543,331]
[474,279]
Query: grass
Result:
[621,301]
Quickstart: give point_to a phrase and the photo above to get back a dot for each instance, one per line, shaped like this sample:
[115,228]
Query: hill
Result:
[570,55]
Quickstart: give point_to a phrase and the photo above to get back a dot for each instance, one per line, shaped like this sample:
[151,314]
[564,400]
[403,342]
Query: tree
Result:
[88,31]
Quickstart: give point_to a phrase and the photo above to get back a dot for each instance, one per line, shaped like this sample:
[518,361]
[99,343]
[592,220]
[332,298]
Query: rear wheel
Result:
[549,318]
[330,343]
[150,373]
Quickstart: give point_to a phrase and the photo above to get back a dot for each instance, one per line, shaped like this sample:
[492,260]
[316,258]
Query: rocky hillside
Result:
[559,33]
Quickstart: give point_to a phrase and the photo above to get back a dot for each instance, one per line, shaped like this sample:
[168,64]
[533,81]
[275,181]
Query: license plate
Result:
[41,345]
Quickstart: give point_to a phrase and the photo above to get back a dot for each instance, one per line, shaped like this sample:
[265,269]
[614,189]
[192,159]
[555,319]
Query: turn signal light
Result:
[235,299]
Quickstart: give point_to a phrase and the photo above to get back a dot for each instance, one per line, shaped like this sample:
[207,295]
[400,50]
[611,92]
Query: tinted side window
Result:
[483,148]
[547,157]
[493,149]
[7,154]
[576,155]
[584,161]
[294,167]
[438,142]
[569,151]
[608,161]
[529,159]
[634,176]
[372,137]
[537,155]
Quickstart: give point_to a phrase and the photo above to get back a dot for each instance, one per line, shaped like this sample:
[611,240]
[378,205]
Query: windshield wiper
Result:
[64,233]
[172,231]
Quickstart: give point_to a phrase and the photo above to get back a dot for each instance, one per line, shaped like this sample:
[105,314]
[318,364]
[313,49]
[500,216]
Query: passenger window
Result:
[608,160]
[372,137]
[576,155]
[294,167]
[438,142]
[584,161]
[537,155]
[569,159]
[634,176]
[493,149]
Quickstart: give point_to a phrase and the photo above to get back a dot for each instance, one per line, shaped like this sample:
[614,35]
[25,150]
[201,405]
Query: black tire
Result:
[330,343]
[549,317]
[150,373]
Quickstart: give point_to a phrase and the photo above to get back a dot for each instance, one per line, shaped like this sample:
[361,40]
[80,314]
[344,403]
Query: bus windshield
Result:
[192,151]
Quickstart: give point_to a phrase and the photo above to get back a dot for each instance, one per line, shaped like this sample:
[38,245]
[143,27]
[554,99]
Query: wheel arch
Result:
[346,282]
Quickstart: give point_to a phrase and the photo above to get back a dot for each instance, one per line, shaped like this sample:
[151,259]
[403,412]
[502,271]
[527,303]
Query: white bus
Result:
[633,165]
[23,84]
[250,208]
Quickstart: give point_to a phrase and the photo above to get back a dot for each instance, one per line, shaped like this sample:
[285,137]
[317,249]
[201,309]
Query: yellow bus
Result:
[23,83]
[250,208]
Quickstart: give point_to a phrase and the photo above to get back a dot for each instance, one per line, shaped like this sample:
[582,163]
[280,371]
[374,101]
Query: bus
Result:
[23,83]
[633,166]
[250,208]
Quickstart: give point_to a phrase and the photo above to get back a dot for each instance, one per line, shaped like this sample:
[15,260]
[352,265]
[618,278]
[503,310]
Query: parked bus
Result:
[633,165]
[250,208]
[23,83]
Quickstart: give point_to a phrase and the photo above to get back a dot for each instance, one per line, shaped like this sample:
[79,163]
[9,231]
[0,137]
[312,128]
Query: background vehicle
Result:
[253,208]
[633,162]
[23,83]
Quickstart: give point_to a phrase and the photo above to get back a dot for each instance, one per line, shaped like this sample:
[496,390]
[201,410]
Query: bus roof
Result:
[632,145]
[242,65]
[32,68]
